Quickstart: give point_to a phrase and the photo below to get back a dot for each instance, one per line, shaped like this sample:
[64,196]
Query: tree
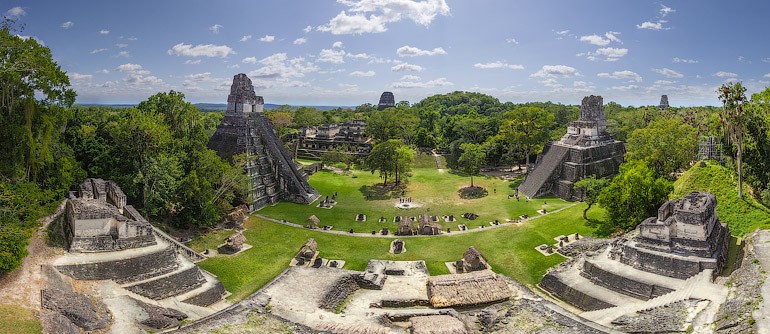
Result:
[390,158]
[305,116]
[734,120]
[527,128]
[591,188]
[632,196]
[392,123]
[471,159]
[666,145]
[338,154]
[404,158]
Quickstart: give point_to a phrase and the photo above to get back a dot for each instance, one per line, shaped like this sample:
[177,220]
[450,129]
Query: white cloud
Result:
[406,67]
[357,55]
[233,66]
[511,41]
[300,41]
[279,66]
[612,36]
[551,83]
[249,60]
[440,82]
[68,24]
[121,45]
[124,54]
[95,51]
[742,59]
[652,25]
[624,75]
[410,51]
[104,32]
[331,56]
[307,29]
[103,71]
[723,74]
[337,44]
[624,88]
[362,74]
[200,50]
[382,12]
[80,77]
[612,53]
[595,40]
[664,82]
[16,12]
[665,10]
[561,34]
[129,67]
[767,75]
[766,60]
[215,28]
[682,60]
[553,71]
[132,38]
[668,73]
[136,79]
[198,76]
[245,38]
[410,77]
[498,64]
[267,38]
[192,62]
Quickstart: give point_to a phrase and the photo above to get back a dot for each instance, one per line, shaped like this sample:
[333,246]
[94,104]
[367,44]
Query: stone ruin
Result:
[586,149]
[472,260]
[307,252]
[685,238]
[234,243]
[669,259]
[663,105]
[97,219]
[386,101]
[272,170]
[314,141]
[405,227]
[427,226]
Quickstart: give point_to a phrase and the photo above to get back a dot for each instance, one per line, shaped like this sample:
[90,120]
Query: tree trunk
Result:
[740,172]
[471,180]
[585,212]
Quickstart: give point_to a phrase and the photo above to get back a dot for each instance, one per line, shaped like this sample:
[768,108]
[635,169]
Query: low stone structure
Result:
[307,252]
[314,141]
[405,227]
[464,290]
[273,173]
[427,226]
[97,219]
[586,149]
[234,243]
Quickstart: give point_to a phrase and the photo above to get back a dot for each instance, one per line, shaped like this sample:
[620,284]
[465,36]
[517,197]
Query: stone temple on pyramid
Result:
[274,174]
[586,149]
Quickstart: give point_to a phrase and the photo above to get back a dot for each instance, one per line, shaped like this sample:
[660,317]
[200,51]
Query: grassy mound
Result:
[742,215]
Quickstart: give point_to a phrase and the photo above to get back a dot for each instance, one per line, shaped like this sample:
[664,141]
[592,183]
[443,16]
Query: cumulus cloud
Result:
[300,41]
[406,67]
[595,40]
[362,74]
[560,34]
[664,82]
[440,82]
[767,75]
[373,16]
[668,73]
[121,45]
[410,77]
[307,29]
[249,60]
[723,74]
[104,32]
[80,77]
[652,25]
[337,44]
[498,64]
[612,54]
[553,71]
[215,28]
[16,12]
[665,10]
[192,62]
[136,79]
[511,41]
[685,61]
[123,54]
[68,24]
[410,51]
[331,56]
[245,38]
[357,55]
[95,51]
[624,75]
[128,67]
[624,88]
[200,50]
[279,66]
[267,38]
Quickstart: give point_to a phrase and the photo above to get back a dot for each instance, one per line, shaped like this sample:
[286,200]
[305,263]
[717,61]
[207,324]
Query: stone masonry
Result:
[386,101]
[273,172]
[586,149]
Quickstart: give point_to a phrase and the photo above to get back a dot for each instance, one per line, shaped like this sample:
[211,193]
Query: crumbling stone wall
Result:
[125,270]
[624,285]
[338,292]
[208,297]
[172,285]
[577,298]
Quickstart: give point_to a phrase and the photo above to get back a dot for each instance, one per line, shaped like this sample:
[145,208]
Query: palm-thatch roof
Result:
[437,324]
[313,219]
[474,288]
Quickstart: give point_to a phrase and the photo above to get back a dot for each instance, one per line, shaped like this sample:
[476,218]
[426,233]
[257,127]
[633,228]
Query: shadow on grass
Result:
[380,192]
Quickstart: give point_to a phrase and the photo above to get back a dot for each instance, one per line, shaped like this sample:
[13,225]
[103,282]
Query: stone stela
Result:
[274,174]
[586,149]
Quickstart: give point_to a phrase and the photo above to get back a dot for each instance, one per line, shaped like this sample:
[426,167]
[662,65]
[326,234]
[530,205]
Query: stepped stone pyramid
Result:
[274,174]
[586,149]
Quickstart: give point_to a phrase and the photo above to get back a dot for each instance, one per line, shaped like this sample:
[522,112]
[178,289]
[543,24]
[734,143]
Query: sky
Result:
[347,52]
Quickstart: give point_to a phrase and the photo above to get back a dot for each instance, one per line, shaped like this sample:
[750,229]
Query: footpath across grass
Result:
[510,250]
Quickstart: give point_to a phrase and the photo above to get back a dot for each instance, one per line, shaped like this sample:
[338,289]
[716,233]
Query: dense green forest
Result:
[157,150]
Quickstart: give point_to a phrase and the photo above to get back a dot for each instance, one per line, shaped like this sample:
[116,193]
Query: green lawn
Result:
[510,249]
[436,192]
[741,215]
[15,319]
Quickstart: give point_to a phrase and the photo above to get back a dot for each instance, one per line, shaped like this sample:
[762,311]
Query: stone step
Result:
[122,266]
[182,280]
[208,293]
[549,163]
[584,286]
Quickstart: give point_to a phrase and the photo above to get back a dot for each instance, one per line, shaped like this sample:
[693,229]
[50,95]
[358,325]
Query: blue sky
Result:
[347,52]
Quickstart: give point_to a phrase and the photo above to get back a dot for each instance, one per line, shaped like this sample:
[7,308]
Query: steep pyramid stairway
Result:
[549,164]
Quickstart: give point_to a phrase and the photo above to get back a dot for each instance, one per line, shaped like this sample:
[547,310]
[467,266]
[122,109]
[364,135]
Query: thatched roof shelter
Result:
[312,222]
[437,324]
[471,289]
[405,227]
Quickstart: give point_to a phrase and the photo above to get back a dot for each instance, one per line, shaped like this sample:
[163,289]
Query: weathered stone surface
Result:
[77,307]
[624,285]
[556,287]
[160,317]
[735,314]
[245,129]
[669,318]
[172,285]
[663,102]
[208,297]
[338,292]
[387,100]
[125,270]
[55,323]
[316,140]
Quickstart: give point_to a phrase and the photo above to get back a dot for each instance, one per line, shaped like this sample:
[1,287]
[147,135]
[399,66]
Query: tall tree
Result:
[390,158]
[527,128]
[591,188]
[666,145]
[471,159]
[734,120]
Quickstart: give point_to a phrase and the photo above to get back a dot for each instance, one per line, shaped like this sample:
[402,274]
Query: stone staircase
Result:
[549,164]
[606,316]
